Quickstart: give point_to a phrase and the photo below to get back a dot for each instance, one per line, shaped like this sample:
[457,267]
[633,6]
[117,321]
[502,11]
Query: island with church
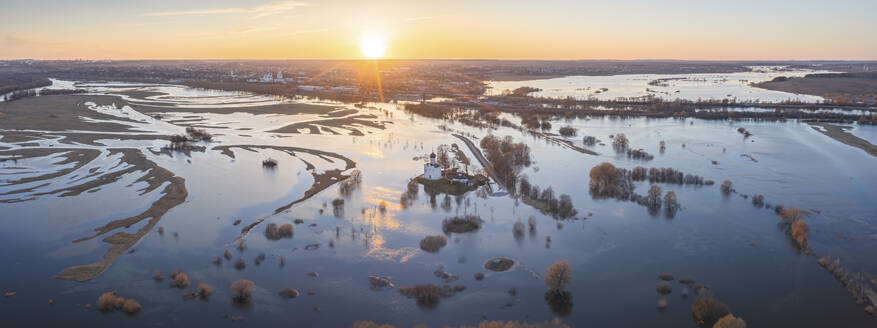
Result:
[436,178]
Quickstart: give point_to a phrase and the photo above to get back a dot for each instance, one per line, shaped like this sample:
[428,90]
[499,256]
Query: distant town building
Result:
[432,170]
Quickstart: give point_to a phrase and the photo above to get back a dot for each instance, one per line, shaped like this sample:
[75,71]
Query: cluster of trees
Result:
[667,175]
[589,141]
[535,122]
[620,142]
[607,181]
[568,131]
[639,154]
[546,200]
[506,157]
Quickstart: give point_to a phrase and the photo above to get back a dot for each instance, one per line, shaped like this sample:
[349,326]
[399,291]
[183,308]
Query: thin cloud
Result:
[260,11]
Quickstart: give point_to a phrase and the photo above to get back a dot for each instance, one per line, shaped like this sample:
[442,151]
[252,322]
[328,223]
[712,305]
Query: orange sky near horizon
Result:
[253,29]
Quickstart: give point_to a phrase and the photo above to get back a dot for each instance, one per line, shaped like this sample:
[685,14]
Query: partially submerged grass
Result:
[461,224]
[499,264]
[432,244]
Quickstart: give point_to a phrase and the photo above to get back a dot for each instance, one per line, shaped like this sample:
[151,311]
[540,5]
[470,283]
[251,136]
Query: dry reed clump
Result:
[665,276]
[289,293]
[432,244]
[273,232]
[180,280]
[664,288]
[157,275]
[558,275]
[726,187]
[204,290]
[730,321]
[131,306]
[461,224]
[708,310]
[242,291]
[240,264]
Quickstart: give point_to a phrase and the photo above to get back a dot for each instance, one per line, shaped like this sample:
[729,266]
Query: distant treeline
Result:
[13,82]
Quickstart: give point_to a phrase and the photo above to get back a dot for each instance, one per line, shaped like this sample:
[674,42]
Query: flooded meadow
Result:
[95,197]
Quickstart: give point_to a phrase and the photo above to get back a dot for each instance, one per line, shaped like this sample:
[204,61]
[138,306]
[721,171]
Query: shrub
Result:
[157,275]
[560,301]
[726,186]
[799,233]
[730,321]
[269,163]
[708,310]
[289,293]
[240,264]
[662,303]
[461,224]
[108,301]
[665,276]
[518,229]
[181,280]
[791,219]
[758,200]
[499,264]
[568,131]
[242,290]
[558,275]
[204,290]
[227,255]
[532,223]
[432,244]
[131,306]
[272,232]
[664,287]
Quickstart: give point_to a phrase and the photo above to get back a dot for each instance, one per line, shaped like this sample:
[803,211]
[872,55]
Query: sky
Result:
[440,29]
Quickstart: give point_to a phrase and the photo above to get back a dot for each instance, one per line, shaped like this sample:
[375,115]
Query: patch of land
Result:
[346,123]
[838,132]
[174,194]
[58,113]
[839,87]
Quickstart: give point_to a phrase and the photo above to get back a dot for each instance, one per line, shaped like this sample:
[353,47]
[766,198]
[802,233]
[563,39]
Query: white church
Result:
[432,170]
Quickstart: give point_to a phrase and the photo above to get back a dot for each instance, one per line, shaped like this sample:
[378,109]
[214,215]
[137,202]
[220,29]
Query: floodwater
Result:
[616,249]
[702,86]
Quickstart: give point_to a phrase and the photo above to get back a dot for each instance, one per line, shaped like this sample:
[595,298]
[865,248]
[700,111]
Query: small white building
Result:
[431,170]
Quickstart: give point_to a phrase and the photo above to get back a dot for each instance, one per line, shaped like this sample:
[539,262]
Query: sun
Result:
[373,46]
